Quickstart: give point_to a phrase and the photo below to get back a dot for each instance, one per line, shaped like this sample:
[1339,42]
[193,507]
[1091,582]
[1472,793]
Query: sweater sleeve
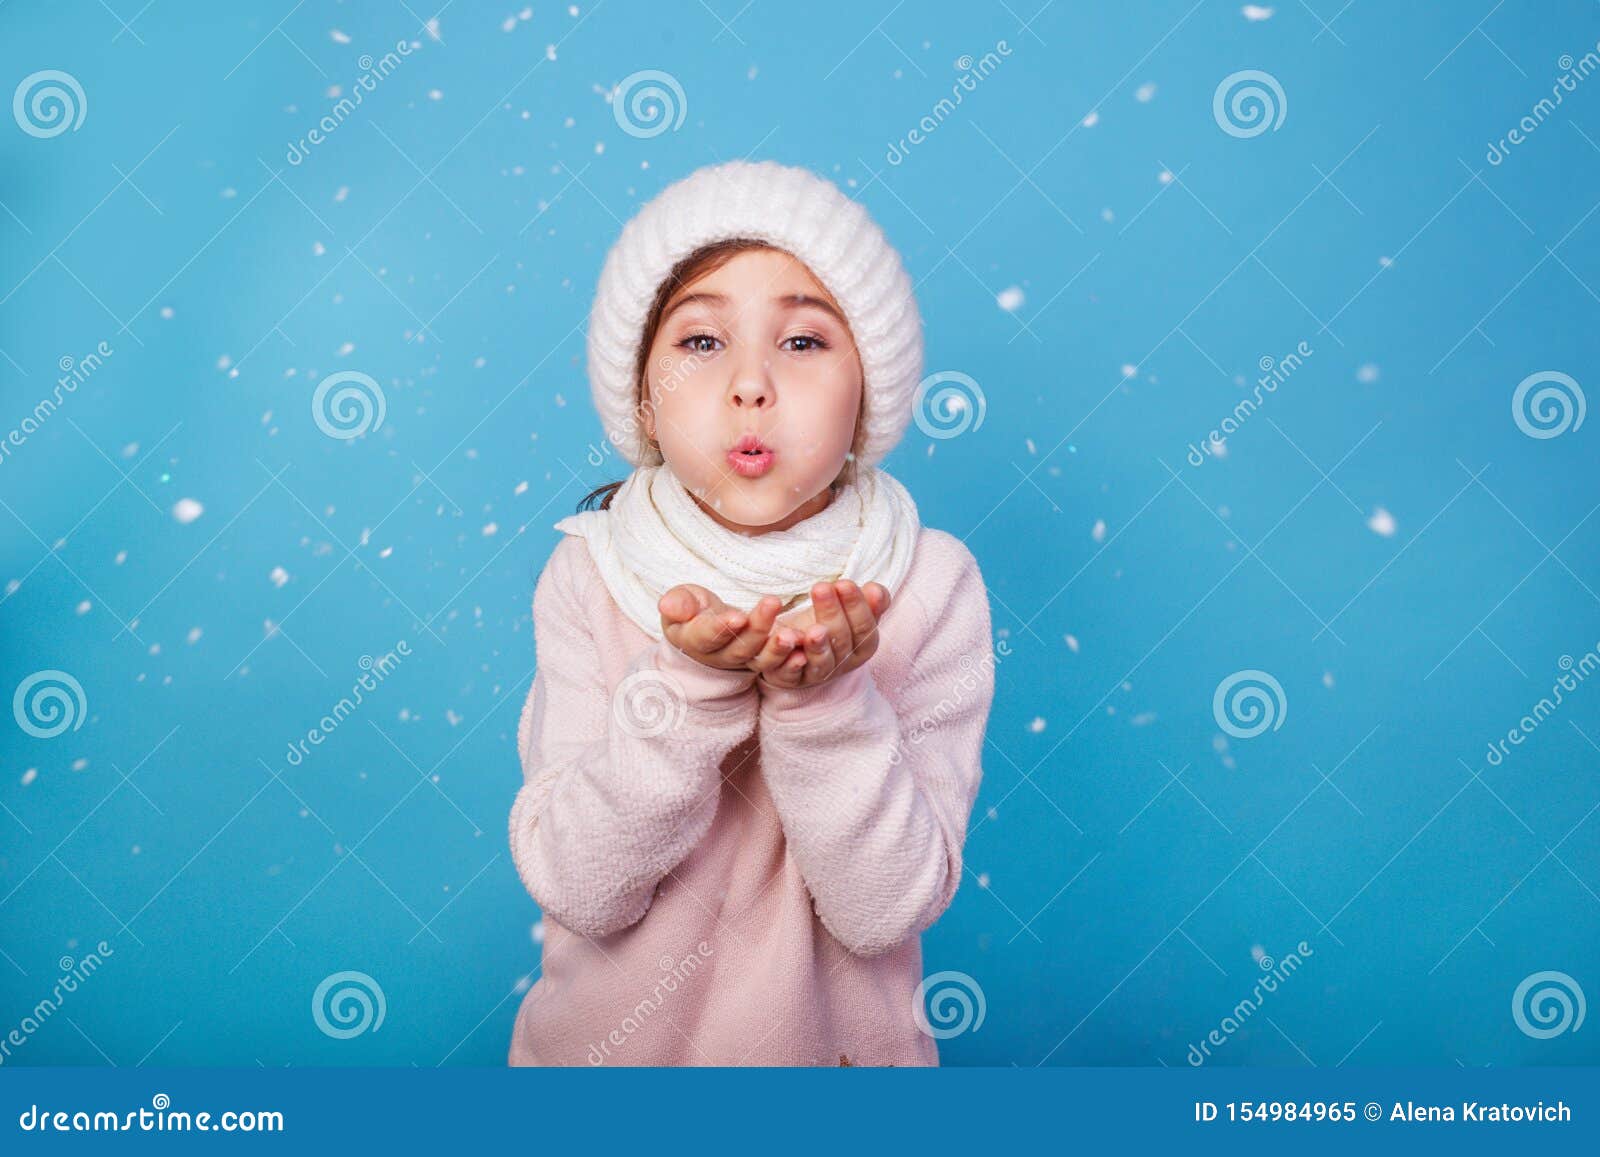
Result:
[619,785]
[875,797]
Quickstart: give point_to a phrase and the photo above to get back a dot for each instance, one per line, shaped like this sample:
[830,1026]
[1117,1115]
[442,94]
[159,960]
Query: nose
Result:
[751,385]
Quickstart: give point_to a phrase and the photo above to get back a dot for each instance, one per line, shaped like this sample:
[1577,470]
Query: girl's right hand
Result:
[709,631]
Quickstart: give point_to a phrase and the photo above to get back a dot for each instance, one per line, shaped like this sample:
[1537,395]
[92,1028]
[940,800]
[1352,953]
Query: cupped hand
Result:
[835,636]
[709,631]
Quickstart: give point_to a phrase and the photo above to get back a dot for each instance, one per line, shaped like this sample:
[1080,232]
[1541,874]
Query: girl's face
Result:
[754,384]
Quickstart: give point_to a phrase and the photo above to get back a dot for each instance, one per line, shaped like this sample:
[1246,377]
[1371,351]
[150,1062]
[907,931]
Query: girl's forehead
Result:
[768,272]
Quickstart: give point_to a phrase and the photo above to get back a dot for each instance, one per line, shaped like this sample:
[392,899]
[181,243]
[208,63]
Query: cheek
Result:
[825,421]
[682,405]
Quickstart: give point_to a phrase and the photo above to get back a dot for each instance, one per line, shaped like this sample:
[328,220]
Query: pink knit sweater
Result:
[742,878]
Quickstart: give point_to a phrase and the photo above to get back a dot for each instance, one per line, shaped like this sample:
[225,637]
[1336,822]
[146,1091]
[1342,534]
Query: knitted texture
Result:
[735,875]
[654,536]
[792,209]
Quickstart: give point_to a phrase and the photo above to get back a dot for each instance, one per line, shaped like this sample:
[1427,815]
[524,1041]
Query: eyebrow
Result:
[792,299]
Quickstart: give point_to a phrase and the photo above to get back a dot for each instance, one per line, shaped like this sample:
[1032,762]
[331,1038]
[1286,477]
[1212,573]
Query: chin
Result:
[755,503]
[754,514]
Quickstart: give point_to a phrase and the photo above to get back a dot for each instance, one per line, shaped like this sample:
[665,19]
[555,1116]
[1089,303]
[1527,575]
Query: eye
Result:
[694,343]
[807,342]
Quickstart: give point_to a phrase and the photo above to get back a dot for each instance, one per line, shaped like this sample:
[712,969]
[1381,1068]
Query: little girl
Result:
[753,740]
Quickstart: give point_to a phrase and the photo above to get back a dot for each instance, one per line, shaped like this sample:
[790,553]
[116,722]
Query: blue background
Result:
[1110,915]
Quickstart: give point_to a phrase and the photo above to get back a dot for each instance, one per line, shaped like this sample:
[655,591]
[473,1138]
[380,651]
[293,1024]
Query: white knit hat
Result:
[789,208]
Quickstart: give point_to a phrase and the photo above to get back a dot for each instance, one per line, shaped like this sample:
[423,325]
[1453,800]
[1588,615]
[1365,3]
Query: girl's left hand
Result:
[839,634]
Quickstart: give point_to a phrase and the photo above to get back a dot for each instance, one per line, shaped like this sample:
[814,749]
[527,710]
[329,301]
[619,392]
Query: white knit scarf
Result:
[654,536]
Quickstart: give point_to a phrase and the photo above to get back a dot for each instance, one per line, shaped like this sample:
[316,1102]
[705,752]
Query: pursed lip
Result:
[751,457]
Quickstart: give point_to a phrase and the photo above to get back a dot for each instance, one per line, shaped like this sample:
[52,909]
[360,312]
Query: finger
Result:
[793,668]
[779,681]
[755,631]
[778,647]
[788,673]
[774,652]
[707,599]
[830,613]
[819,655]
[801,618]
[863,623]
[678,605]
[877,598]
[764,615]
[708,631]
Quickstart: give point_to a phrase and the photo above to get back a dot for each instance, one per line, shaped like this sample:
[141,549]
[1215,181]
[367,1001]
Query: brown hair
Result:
[705,260]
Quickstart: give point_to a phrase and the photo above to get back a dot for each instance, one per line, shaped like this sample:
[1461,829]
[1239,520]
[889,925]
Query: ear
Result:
[646,413]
